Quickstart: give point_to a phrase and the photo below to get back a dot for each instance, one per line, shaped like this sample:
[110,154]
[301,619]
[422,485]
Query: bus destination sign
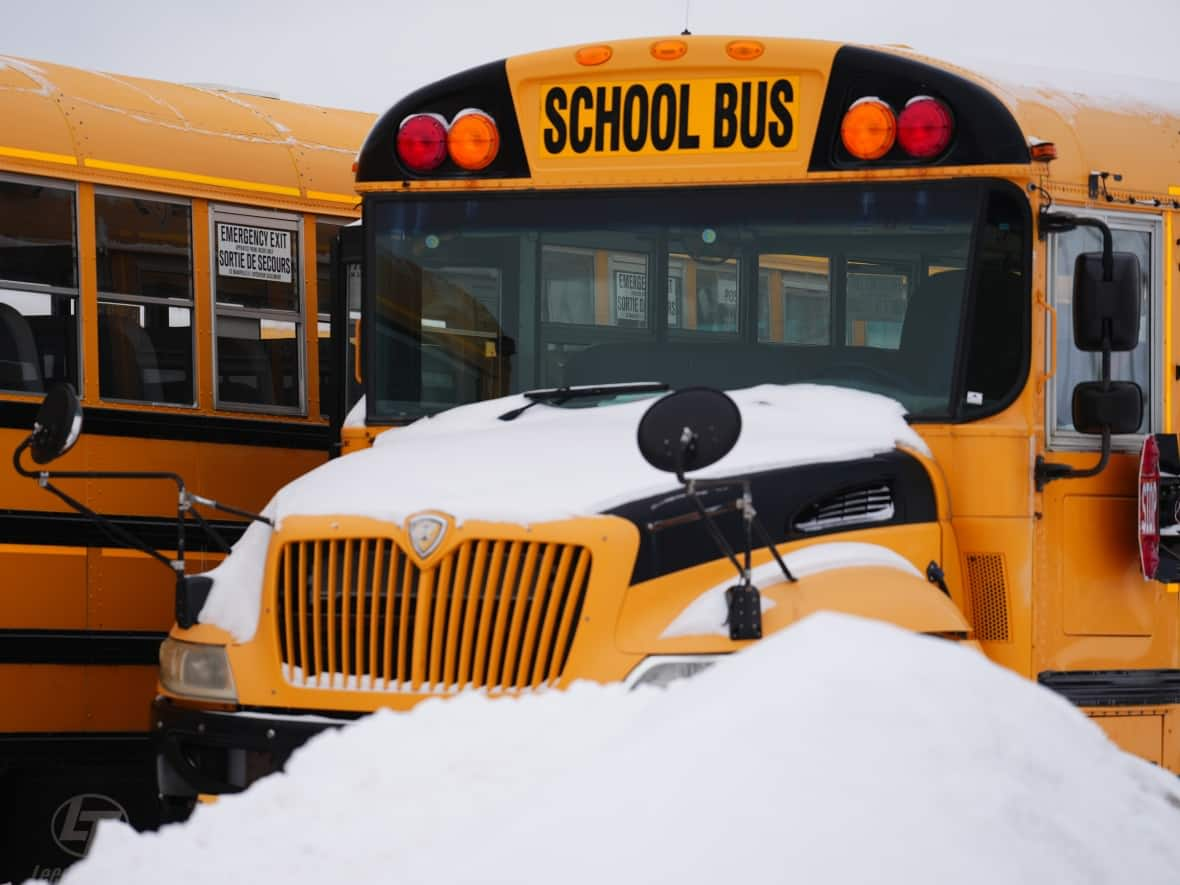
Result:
[669,117]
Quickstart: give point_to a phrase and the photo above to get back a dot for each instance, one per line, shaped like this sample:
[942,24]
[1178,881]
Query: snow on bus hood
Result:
[549,463]
[555,462]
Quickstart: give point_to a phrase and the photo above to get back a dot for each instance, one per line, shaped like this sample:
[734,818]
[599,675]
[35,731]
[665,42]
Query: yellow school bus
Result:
[941,302]
[164,250]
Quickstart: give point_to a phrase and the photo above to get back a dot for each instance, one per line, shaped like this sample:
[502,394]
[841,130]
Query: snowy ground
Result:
[841,750]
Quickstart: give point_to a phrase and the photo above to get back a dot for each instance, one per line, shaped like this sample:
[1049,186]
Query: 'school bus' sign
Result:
[256,253]
[669,117]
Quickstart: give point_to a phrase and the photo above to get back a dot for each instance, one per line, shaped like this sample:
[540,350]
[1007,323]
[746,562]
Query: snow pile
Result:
[839,750]
[549,463]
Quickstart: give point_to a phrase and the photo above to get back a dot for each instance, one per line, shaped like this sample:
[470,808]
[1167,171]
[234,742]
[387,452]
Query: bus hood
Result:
[549,463]
[556,462]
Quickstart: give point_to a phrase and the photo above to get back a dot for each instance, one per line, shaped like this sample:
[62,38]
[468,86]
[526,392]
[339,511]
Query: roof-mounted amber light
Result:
[593,55]
[668,50]
[744,50]
[1044,151]
[869,129]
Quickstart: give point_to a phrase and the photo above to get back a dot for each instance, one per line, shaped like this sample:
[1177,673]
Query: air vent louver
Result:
[852,507]
[988,582]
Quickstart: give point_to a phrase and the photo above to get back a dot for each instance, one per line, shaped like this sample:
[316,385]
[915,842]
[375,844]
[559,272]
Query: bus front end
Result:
[841,238]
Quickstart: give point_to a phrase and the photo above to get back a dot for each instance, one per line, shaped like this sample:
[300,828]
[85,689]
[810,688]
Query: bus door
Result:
[1100,615]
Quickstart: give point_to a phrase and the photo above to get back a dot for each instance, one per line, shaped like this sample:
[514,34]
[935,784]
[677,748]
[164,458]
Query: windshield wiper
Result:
[559,395]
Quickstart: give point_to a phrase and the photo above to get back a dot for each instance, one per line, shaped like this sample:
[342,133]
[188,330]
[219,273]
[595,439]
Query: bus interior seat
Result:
[244,372]
[127,361]
[20,362]
[930,330]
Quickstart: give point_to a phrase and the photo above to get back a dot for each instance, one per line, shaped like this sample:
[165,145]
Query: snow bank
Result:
[549,463]
[839,750]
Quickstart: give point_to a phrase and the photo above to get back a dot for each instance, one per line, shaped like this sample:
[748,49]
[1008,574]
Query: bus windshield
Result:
[861,285]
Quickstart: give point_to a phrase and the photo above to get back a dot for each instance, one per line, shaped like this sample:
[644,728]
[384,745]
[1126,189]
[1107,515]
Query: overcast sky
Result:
[366,54]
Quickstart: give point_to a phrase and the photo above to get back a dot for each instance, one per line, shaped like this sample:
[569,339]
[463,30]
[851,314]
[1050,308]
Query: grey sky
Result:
[366,54]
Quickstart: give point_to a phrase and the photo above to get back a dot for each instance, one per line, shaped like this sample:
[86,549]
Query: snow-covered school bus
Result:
[940,300]
[164,250]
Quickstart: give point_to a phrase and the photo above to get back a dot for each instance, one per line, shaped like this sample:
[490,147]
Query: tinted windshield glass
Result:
[857,285]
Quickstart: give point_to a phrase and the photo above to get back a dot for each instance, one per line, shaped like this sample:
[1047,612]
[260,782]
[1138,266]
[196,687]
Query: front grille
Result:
[865,505]
[361,614]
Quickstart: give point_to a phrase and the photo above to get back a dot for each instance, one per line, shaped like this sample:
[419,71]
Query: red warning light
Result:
[422,142]
[924,127]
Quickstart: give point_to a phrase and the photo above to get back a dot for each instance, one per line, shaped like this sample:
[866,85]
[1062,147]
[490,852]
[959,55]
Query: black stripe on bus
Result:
[100,647]
[37,527]
[183,427]
[1114,688]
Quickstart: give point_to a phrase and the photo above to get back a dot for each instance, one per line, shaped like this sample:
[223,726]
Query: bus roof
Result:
[1099,122]
[189,140]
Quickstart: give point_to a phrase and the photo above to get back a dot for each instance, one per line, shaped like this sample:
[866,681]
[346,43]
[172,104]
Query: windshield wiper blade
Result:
[559,395]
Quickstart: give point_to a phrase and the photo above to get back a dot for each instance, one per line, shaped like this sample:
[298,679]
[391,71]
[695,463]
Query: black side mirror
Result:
[1116,406]
[1106,301]
[689,429]
[58,424]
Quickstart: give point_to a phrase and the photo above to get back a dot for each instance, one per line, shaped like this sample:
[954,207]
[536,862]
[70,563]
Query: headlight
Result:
[660,671]
[199,671]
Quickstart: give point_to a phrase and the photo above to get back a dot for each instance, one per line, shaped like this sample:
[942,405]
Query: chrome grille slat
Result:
[361,614]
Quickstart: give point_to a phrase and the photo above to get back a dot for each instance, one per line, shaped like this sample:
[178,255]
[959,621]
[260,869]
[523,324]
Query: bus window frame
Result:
[148,300]
[293,221]
[325,317]
[45,289]
[1058,439]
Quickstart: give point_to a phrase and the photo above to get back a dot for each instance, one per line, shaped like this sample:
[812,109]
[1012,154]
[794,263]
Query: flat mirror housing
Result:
[689,429]
[1098,303]
[1115,404]
[58,424]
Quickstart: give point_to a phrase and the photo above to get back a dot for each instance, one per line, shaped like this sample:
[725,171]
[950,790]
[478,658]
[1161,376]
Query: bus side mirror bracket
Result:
[689,430]
[1106,287]
[192,591]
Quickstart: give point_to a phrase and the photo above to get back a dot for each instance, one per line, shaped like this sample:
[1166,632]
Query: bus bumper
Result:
[214,752]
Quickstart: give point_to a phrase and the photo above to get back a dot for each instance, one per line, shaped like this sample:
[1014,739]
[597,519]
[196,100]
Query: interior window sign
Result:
[256,253]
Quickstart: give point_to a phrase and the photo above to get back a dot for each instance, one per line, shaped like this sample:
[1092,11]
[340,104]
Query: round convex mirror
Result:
[689,429]
[59,422]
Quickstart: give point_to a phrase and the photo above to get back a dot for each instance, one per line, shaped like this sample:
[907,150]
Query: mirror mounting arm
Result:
[1063,222]
[1045,472]
[113,530]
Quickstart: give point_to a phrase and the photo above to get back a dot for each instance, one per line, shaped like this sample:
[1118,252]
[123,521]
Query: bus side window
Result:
[145,301]
[1139,236]
[794,299]
[259,312]
[38,285]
